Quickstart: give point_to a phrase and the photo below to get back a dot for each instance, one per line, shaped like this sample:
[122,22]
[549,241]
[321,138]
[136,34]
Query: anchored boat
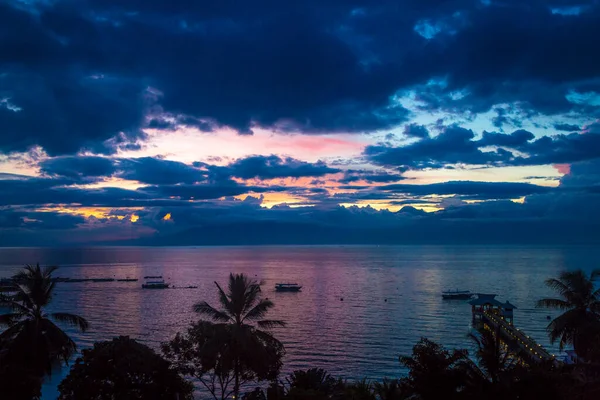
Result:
[155,284]
[287,287]
[457,295]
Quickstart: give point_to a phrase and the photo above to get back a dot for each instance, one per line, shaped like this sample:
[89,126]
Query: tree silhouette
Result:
[32,343]
[123,369]
[579,324]
[235,346]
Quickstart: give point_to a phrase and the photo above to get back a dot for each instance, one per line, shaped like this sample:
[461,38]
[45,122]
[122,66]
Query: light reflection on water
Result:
[360,336]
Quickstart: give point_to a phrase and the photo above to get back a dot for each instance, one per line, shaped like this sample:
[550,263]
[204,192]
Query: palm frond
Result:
[203,308]
[9,319]
[225,300]
[595,275]
[242,291]
[268,323]
[12,303]
[558,285]
[23,295]
[554,303]
[47,271]
[71,319]
[59,344]
[251,297]
[259,311]
[477,341]
[11,332]
[565,326]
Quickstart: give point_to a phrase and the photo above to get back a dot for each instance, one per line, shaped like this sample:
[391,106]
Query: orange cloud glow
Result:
[96,212]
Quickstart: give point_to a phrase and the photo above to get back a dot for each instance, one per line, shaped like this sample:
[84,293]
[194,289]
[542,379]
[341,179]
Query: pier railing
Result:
[533,349]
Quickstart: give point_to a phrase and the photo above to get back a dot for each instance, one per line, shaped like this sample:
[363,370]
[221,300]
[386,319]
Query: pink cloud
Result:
[224,145]
[326,145]
[564,169]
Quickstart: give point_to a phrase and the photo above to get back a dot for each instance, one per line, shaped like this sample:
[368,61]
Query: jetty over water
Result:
[499,317]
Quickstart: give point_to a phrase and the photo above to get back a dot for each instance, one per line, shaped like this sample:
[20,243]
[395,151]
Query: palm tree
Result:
[492,375]
[434,372]
[255,352]
[32,341]
[579,324]
[313,383]
[389,390]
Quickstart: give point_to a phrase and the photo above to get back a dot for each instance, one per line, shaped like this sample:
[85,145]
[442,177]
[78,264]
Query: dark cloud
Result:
[56,100]
[157,171]
[94,70]
[39,220]
[456,145]
[60,191]
[514,140]
[370,177]
[482,190]
[567,127]
[582,174]
[561,148]
[205,192]
[517,53]
[548,215]
[172,123]
[147,170]
[415,131]
[271,167]
[78,167]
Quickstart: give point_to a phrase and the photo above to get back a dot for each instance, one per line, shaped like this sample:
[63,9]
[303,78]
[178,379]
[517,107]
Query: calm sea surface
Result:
[361,336]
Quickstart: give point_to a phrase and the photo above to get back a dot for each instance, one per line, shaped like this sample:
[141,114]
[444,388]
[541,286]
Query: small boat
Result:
[127,280]
[153,277]
[287,287]
[157,284]
[457,295]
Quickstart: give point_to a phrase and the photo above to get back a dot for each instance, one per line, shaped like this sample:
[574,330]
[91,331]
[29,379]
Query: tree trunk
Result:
[236,387]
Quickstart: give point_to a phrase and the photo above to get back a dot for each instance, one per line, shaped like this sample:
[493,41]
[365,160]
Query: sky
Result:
[299,122]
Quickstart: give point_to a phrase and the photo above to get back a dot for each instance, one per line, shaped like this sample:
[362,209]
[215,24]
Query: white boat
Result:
[457,295]
[155,284]
[287,287]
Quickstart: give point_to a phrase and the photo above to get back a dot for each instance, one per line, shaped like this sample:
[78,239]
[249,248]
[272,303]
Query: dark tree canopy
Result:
[123,369]
[32,343]
[579,324]
[235,347]
[434,371]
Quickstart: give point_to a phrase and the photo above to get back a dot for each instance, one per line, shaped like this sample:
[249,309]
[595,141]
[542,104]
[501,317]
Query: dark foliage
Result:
[123,369]
[32,343]
[314,383]
[235,347]
[434,372]
[579,324]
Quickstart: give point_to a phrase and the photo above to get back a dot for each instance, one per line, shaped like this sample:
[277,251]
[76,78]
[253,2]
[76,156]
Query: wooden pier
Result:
[499,317]
[512,334]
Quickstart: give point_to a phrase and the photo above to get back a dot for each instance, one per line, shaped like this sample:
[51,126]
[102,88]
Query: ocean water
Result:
[359,309]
